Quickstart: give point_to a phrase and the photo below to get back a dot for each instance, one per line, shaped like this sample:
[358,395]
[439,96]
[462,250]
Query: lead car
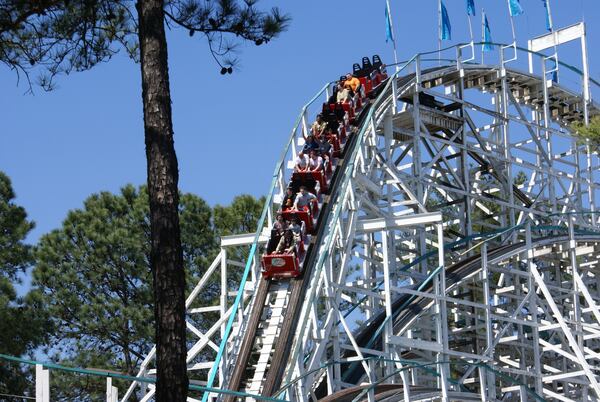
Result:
[281,266]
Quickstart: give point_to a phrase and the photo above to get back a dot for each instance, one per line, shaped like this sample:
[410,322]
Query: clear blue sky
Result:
[87,135]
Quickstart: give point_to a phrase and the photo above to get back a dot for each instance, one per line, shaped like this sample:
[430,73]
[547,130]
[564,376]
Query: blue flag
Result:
[548,19]
[487,35]
[389,35]
[446,33]
[514,6]
[471,7]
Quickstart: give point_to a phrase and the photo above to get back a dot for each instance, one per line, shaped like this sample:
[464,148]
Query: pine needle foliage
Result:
[52,37]
[590,133]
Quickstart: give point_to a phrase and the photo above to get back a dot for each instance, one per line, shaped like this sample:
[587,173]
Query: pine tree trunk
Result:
[166,256]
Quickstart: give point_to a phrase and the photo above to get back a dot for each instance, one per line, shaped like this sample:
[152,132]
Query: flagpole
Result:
[439,32]
[470,28]
[482,33]
[550,16]
[553,39]
[512,23]
[387,3]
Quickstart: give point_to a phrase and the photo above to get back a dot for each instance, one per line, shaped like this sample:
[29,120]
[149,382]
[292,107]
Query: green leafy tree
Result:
[15,256]
[590,132]
[241,216]
[22,320]
[95,280]
[61,36]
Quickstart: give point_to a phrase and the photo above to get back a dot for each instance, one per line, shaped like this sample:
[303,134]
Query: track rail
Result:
[300,285]
[297,290]
[250,334]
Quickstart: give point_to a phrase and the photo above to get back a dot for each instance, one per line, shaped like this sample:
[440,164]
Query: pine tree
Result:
[23,324]
[95,280]
[590,132]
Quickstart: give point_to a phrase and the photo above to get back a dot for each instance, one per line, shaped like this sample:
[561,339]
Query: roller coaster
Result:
[454,255]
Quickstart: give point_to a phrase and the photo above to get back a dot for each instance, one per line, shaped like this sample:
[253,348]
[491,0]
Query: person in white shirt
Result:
[343,94]
[303,199]
[315,162]
[302,162]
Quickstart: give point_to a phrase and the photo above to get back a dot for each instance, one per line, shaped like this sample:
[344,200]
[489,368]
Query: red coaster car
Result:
[366,84]
[280,266]
[308,177]
[304,215]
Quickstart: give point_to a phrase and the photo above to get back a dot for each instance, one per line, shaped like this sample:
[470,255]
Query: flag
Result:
[514,6]
[389,35]
[487,35]
[471,7]
[548,18]
[446,32]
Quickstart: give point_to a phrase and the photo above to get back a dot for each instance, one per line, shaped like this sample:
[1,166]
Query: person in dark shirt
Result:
[288,199]
[326,145]
[280,225]
[311,143]
[297,227]
[319,127]
[287,244]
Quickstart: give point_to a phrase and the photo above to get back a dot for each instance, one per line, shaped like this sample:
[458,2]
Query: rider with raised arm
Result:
[311,143]
[318,128]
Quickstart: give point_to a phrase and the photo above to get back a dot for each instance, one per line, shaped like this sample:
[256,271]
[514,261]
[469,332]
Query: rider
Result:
[352,83]
[287,243]
[315,162]
[297,227]
[288,199]
[280,225]
[302,162]
[304,199]
[343,94]
[318,127]
[311,143]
